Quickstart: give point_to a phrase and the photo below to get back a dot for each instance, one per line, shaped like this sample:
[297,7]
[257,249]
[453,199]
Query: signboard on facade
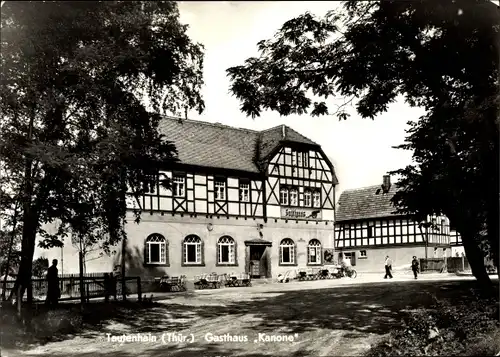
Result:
[301,213]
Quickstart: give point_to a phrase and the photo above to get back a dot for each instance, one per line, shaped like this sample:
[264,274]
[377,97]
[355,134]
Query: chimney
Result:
[386,183]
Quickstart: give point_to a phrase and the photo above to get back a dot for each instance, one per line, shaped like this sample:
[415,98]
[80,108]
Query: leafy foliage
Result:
[77,133]
[40,266]
[441,55]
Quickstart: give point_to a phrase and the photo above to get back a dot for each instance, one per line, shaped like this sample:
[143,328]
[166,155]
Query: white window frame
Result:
[294,158]
[227,242]
[294,197]
[290,244]
[314,250]
[220,190]
[316,199]
[300,159]
[244,192]
[156,239]
[284,196]
[196,242]
[307,198]
[179,183]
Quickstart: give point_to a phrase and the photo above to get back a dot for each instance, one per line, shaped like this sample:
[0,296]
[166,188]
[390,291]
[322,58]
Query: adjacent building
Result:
[260,202]
[367,229]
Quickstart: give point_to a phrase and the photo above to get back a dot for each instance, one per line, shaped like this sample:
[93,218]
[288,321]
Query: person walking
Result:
[388,267]
[53,291]
[414,266]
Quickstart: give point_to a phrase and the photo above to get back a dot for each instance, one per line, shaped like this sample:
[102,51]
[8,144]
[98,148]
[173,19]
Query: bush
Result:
[470,329]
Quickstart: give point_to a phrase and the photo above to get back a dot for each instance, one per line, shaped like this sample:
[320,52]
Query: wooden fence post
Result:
[139,289]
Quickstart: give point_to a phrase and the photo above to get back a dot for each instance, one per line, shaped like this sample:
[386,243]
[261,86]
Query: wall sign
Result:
[301,213]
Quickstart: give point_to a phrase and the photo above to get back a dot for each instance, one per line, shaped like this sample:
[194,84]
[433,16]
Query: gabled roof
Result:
[205,144]
[212,145]
[365,203]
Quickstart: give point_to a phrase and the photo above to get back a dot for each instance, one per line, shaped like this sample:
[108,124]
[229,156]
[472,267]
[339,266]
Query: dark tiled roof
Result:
[213,145]
[365,203]
[221,146]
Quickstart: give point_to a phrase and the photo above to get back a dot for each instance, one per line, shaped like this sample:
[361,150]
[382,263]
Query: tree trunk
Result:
[9,254]
[123,262]
[82,284]
[476,261]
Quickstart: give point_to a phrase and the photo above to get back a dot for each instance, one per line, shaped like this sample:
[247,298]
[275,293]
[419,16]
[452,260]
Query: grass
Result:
[466,328]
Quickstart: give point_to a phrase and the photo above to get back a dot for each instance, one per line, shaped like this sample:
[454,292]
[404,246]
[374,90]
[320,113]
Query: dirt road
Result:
[314,318]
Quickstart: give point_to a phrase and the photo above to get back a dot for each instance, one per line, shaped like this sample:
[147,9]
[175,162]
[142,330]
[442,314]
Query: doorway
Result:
[258,261]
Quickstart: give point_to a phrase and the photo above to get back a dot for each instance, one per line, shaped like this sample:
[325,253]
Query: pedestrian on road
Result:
[388,267]
[414,266]
[53,291]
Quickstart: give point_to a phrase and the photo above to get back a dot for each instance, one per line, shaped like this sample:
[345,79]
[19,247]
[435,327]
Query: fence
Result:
[69,285]
[453,264]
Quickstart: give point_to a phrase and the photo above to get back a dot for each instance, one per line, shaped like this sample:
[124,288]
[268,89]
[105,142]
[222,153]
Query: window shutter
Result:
[146,253]
[217,251]
[202,252]
[281,254]
[183,252]
[321,255]
[294,253]
[167,253]
[235,247]
[353,258]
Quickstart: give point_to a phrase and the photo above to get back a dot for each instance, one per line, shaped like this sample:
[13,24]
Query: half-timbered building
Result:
[367,229]
[241,201]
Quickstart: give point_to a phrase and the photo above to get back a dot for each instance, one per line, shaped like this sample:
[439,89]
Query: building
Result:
[241,201]
[367,229]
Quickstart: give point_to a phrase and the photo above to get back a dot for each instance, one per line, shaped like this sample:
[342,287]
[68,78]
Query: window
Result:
[362,253]
[370,230]
[300,159]
[150,184]
[244,192]
[314,251]
[316,199]
[287,251]
[179,186]
[294,158]
[220,190]
[294,197]
[192,250]
[307,198]
[155,250]
[226,250]
[284,196]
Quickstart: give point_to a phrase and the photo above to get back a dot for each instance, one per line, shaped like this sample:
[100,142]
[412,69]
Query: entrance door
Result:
[258,264]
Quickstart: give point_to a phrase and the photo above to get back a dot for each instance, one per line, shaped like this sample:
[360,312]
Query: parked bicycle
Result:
[345,271]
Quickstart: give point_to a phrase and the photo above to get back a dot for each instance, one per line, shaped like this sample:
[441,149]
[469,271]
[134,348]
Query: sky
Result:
[360,149]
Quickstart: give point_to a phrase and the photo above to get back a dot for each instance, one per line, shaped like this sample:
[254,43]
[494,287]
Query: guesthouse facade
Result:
[260,202]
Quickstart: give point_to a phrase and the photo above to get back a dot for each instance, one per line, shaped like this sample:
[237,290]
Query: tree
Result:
[76,77]
[40,266]
[440,55]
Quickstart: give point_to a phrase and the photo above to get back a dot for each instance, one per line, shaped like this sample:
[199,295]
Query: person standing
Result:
[414,266]
[388,267]
[53,291]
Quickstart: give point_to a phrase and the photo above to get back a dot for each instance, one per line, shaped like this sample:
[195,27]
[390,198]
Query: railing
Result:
[69,285]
